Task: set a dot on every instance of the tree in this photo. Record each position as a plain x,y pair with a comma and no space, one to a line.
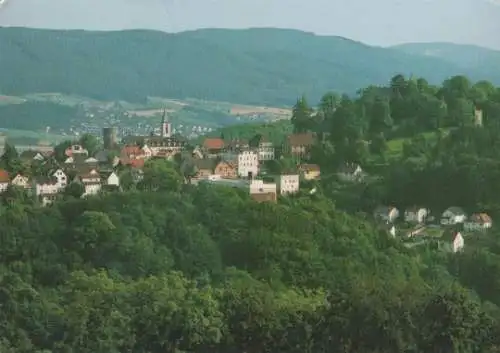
10,160
160,175
380,116
90,143
60,150
302,116
74,189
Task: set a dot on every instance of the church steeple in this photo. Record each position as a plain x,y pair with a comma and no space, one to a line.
166,127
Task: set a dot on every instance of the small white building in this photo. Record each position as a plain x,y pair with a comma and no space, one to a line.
91,181
46,189
452,242
416,214
260,187
21,181
248,164
266,151
453,215
289,183
61,177
386,214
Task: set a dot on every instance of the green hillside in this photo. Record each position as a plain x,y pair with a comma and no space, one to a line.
483,60
254,66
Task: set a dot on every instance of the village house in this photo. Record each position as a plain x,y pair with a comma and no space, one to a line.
386,214
61,178
76,150
110,181
453,215
129,152
21,181
266,150
288,183
213,147
4,180
46,189
31,155
451,241
236,146
416,214
350,172
299,145
248,164
310,171
197,153
91,181
204,167
226,169
478,222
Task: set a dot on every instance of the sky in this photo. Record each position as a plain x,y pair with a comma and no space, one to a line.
376,22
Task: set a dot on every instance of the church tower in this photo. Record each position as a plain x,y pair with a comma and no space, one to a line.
166,127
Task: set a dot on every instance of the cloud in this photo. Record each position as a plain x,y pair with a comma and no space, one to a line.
494,2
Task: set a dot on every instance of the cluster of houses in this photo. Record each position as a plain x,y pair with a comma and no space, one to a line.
231,163
452,223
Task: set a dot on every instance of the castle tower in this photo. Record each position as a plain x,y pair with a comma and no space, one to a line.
166,127
109,137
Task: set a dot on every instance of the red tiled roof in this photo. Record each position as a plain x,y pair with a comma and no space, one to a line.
4,176
132,150
213,143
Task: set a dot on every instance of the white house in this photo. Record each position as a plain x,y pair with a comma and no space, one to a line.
46,189
350,172
452,241
91,182
147,152
257,186
453,215
386,213
76,150
21,181
416,214
266,151
289,183
248,164
478,221
61,177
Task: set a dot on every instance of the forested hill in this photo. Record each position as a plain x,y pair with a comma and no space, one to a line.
264,66
486,61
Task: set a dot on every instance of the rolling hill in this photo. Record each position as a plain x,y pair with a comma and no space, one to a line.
483,61
254,66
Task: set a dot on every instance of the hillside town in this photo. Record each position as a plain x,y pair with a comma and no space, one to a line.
231,163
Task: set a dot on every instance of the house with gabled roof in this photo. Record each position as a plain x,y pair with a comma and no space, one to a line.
299,145
21,181
451,241
350,172
213,147
478,222
386,214
453,215
415,214
46,189
310,171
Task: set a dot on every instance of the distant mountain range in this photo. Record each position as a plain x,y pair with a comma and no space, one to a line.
482,61
254,66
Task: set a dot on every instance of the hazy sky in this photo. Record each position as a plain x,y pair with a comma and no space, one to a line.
379,22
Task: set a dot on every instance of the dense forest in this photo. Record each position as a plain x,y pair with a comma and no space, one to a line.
255,66
168,267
